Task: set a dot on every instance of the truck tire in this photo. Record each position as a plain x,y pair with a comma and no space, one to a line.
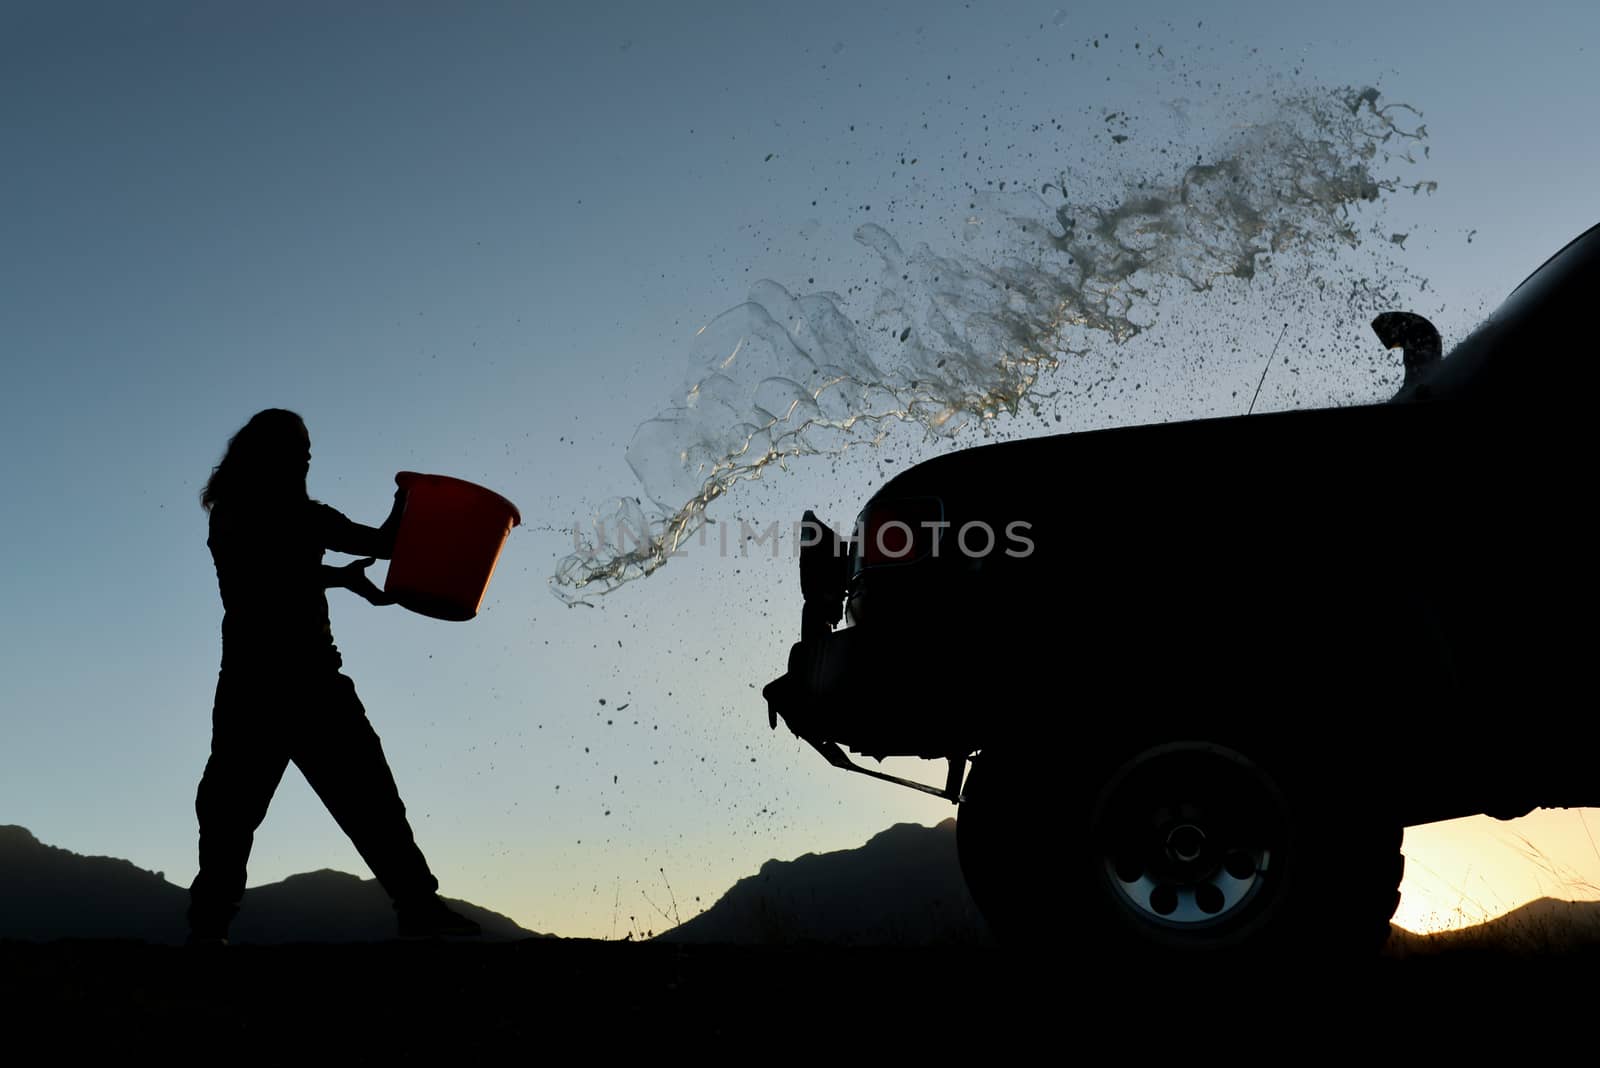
1178,848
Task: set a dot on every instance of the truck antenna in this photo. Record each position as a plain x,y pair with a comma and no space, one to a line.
1273,353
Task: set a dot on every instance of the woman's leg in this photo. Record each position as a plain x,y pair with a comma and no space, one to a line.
246,763
342,758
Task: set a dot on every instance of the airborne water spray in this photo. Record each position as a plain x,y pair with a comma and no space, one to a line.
954,340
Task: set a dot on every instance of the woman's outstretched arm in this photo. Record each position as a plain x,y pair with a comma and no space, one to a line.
343,535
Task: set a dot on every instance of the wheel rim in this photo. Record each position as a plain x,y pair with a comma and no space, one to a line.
1188,836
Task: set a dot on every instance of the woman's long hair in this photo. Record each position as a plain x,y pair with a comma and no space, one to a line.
265,456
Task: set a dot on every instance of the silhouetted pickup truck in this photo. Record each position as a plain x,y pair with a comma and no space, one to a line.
1193,679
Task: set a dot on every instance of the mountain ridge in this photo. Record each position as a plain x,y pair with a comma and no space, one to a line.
49,893
902,887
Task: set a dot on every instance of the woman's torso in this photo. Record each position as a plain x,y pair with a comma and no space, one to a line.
268,560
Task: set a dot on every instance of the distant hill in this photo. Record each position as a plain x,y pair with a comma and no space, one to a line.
903,887
1541,927
48,893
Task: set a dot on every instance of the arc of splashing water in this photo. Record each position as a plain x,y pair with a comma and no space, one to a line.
782,376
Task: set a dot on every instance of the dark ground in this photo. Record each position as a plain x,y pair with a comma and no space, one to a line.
601,999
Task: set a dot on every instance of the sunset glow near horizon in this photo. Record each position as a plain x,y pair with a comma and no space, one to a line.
1467,871
480,242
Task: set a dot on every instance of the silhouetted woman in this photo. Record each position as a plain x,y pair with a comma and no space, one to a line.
280,694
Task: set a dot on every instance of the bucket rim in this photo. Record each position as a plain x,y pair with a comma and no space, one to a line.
405,479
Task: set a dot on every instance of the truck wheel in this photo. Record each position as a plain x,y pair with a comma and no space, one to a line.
1186,847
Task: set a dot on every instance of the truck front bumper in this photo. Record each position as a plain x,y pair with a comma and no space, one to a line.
837,693
879,694
819,696
865,688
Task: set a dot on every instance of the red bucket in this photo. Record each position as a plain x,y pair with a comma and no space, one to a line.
449,540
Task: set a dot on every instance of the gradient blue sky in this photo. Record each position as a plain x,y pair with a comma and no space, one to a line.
475,239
